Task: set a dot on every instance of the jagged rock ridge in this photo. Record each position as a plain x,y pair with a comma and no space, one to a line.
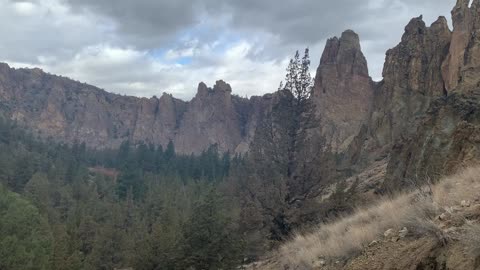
71,111
424,120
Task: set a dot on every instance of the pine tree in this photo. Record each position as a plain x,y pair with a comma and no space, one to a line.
286,152
209,240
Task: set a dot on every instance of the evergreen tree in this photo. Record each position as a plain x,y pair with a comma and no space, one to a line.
210,242
286,153
25,237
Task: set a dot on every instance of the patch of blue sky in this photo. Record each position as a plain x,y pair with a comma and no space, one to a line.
218,39
184,60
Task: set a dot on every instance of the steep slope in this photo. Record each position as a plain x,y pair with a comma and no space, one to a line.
413,231
423,124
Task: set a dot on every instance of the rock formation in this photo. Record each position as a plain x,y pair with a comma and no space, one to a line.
447,136
447,139
424,120
71,111
463,63
211,118
343,90
412,79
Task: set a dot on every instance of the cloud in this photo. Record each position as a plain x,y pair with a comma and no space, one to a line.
146,47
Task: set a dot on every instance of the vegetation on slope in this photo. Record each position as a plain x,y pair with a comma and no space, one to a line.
438,211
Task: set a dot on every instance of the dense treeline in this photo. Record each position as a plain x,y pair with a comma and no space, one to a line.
139,206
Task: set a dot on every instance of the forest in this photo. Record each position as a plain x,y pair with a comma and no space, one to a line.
146,207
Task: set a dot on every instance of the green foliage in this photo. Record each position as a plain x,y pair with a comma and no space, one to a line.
211,241
25,237
130,207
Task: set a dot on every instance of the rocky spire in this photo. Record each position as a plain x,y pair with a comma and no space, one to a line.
346,54
405,65
343,90
412,79
461,68
221,85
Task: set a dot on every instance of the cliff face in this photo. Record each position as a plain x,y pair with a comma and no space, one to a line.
447,139
448,134
424,120
343,90
412,79
213,116
462,66
71,111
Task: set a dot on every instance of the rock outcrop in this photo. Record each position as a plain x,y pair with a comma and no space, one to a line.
211,118
412,79
343,90
447,136
425,115
463,63
447,140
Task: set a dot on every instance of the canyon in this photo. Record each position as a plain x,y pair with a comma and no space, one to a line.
423,114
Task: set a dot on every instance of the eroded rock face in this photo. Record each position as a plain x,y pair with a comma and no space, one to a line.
343,90
70,111
447,136
426,119
210,119
463,63
447,139
412,78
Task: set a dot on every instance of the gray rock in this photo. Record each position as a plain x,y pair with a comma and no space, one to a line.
388,233
403,232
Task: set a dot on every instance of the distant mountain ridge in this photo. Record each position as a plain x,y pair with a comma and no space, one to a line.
72,111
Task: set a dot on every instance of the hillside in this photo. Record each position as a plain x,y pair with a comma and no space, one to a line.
333,172
433,227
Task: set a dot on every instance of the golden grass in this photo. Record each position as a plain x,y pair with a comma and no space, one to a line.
351,234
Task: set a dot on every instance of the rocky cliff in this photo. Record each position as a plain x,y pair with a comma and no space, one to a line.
462,66
448,134
447,139
424,120
412,78
70,111
343,90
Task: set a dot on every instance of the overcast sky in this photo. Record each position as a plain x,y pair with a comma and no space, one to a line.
147,47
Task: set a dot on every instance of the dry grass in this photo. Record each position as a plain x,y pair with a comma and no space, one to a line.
464,185
351,234
471,239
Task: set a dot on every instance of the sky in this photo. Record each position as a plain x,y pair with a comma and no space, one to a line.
147,47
